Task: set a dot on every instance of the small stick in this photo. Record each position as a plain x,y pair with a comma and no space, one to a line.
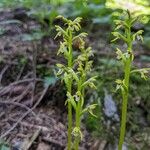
52,141
24,93
2,72
2,114
18,104
26,146
6,89
28,125
20,97
20,74
25,114
34,63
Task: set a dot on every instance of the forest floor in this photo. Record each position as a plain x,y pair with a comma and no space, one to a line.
32,114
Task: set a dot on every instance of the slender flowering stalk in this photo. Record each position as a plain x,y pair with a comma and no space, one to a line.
67,51
126,58
84,66
74,74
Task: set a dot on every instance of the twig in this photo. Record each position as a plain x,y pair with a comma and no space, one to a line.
20,119
2,72
2,114
102,145
34,70
21,71
28,75
28,125
52,141
17,104
6,89
20,97
26,145
24,93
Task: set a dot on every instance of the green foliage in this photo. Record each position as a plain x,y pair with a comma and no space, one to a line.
74,74
4,146
32,37
2,31
45,11
137,7
94,124
100,13
147,41
107,69
126,58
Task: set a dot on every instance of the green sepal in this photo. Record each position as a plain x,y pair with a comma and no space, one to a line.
89,82
120,55
74,75
138,35
81,35
119,36
143,72
76,132
60,31
71,100
90,109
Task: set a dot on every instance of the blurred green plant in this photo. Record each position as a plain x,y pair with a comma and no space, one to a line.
126,58
4,146
136,7
45,11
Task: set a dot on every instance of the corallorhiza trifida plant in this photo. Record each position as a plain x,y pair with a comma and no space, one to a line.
75,76
123,32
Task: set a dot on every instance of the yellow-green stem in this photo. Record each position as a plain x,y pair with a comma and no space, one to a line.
78,114
70,63
77,139
125,92
124,105
79,109
69,125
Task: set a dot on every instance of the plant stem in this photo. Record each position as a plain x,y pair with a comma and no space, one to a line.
78,112
124,105
69,125
125,92
70,63
77,139
79,108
